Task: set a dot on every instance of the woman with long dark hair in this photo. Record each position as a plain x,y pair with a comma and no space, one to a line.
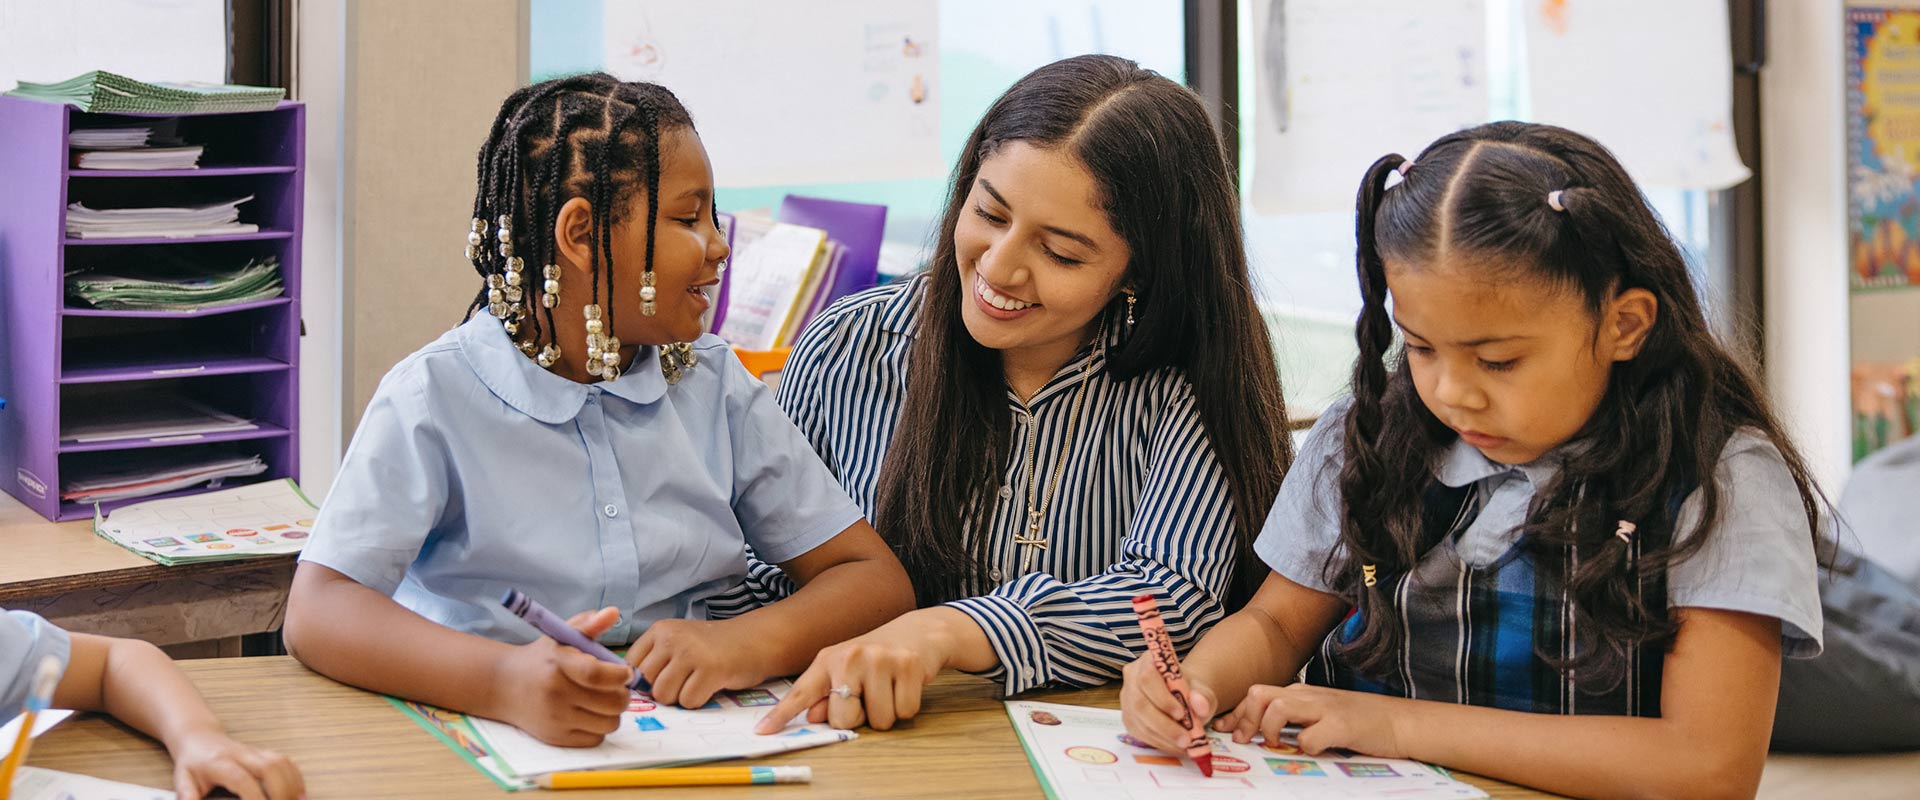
1075,404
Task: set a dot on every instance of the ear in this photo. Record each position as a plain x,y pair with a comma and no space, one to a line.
1629,320
573,235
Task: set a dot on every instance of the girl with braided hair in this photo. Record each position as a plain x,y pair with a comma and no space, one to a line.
1556,536
580,439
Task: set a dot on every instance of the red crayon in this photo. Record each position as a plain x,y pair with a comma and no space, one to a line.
1167,663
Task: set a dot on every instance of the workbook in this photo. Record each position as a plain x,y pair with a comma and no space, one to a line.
263,519
1082,753
650,735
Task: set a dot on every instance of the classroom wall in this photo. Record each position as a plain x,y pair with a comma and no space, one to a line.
424,79
319,80
1803,157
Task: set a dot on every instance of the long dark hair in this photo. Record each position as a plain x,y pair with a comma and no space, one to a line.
588,135
1480,196
1167,190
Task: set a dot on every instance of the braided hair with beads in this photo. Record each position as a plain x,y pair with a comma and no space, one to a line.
590,136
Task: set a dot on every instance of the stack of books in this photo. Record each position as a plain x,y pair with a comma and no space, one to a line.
143,147
176,284
102,92
780,276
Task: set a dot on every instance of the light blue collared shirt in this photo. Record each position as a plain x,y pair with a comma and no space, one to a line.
25,641
1760,559
474,471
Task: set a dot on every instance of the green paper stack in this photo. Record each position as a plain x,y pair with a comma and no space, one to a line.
177,287
104,92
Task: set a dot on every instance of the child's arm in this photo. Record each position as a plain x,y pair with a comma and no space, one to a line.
358,636
1718,691
1265,643
848,586
139,685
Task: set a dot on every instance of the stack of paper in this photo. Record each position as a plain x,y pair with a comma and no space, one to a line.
266,519
170,223
151,472
148,158
143,415
650,735
110,138
176,285
34,783
104,92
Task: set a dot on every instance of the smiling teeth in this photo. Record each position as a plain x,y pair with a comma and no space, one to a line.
1000,301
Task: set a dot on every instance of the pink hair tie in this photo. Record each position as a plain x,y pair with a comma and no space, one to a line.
1405,167
1625,531
1553,201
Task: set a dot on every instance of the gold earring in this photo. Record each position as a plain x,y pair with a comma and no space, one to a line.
1131,299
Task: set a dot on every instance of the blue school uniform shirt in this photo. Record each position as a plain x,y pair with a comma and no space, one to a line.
1142,507
1760,559
475,470
25,640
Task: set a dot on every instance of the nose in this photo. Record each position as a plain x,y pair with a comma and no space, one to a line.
717,248
1000,265
1455,388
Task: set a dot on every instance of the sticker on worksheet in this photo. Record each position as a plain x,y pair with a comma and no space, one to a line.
164,541
1361,770
203,538
1091,755
1296,767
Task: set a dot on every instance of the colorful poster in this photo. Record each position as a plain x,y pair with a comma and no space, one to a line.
1883,146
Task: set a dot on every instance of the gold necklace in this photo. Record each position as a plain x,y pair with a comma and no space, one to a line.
1032,540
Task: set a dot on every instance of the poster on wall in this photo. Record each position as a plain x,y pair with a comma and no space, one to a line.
851,86
1326,108
1883,146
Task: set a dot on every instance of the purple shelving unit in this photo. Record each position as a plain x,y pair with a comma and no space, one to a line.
241,359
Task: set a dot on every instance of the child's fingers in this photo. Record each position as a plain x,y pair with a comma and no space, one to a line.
1151,689
809,688
276,774
593,674
594,623
640,649
668,683
1274,720
698,688
1245,719
233,778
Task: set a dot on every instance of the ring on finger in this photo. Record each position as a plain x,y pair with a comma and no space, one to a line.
845,692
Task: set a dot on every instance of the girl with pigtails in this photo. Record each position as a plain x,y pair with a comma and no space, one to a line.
1556,536
585,442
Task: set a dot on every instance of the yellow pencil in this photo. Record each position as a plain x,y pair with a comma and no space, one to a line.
42,696
678,776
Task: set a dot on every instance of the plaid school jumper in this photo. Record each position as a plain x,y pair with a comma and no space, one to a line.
1483,635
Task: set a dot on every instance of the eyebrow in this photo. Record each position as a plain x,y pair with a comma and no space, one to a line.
1058,231
1485,340
701,193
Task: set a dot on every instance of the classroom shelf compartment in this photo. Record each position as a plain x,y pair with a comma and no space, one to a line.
274,451
62,362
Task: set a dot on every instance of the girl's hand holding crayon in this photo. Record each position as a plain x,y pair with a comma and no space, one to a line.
206,759
1330,718
560,695
689,661
1150,711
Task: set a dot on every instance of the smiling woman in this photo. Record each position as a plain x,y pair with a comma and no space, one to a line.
1074,405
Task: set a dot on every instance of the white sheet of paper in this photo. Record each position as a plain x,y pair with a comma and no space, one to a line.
1085,753
33,783
1341,83
41,724
651,735
148,40
852,87
1652,80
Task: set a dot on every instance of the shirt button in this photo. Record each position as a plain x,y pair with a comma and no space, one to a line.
1026,672
612,510
997,575
1006,492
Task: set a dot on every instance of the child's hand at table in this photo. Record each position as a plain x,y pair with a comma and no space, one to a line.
206,759
1151,712
689,661
1330,718
560,695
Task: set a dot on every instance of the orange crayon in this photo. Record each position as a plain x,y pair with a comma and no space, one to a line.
1167,663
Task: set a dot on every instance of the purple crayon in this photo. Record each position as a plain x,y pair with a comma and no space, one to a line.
556,628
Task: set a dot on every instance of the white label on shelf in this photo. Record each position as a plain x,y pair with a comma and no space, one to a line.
31,482
181,438
180,370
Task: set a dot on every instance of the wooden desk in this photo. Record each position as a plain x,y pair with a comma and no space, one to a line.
352,744
81,582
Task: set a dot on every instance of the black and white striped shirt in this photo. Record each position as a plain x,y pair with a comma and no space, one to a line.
1142,507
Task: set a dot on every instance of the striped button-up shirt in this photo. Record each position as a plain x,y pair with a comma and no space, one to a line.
1142,505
